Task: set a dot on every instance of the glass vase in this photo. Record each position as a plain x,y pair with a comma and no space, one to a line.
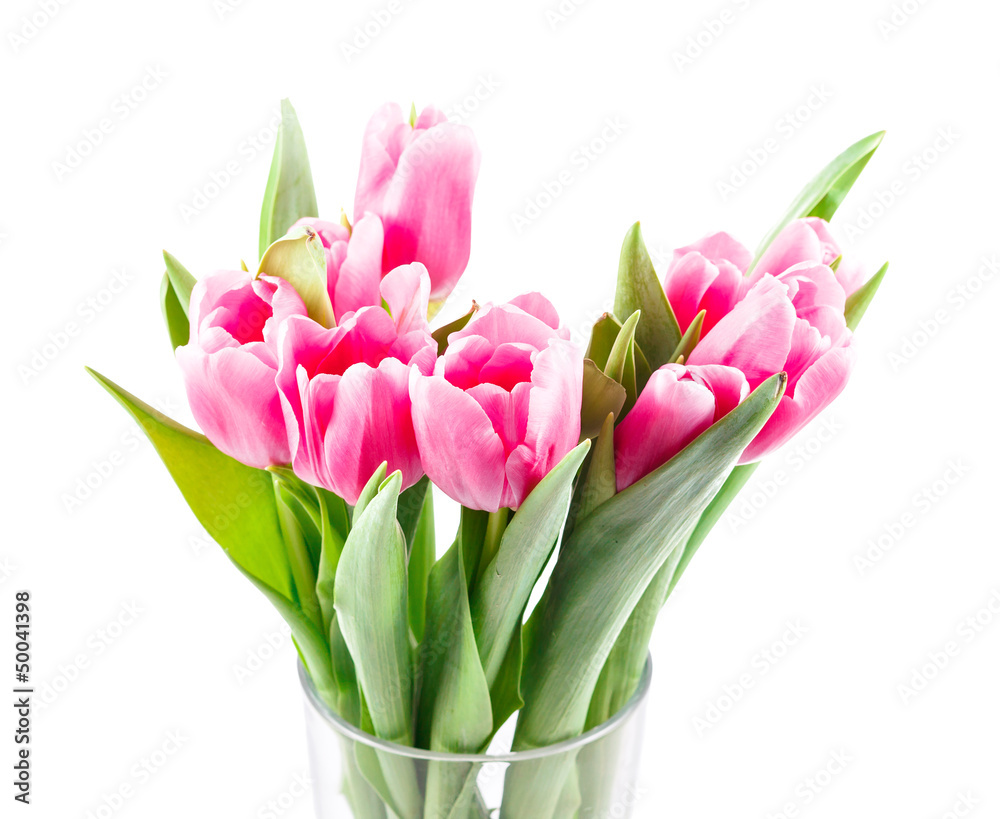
358,776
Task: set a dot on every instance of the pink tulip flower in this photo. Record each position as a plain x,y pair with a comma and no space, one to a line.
802,240
353,262
503,405
230,361
420,181
677,404
793,322
708,275
345,390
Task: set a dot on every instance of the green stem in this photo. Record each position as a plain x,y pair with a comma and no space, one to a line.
496,525
303,573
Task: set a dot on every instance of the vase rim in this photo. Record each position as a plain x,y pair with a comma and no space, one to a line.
352,732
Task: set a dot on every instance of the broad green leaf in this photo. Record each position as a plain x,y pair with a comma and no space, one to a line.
369,491
299,259
370,601
824,194
418,567
601,395
174,315
500,597
182,281
639,289
443,624
689,340
857,302
609,560
289,195
600,483
234,503
441,334
411,507
603,570
462,721
505,693
300,555
334,528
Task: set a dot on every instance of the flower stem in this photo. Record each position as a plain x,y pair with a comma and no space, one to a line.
496,525
303,573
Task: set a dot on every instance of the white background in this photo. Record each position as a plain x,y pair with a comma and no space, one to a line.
546,86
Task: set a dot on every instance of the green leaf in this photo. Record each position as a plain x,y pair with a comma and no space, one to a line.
609,560
601,395
824,194
505,693
418,567
462,721
370,601
690,339
621,360
441,334
605,566
411,507
602,339
181,281
174,316
857,302
600,484
334,528
299,259
289,195
235,503
499,599
639,289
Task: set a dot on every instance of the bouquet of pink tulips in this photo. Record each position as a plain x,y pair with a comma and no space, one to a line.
330,406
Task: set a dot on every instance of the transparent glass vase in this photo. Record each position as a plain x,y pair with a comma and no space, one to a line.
358,776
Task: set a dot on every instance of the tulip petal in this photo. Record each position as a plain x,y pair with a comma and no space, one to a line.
356,283
755,337
816,388
459,449
406,290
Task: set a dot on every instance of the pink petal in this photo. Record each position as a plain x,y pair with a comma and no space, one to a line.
670,413
509,365
755,337
817,387
719,247
796,243
356,283
535,304
459,449
406,290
